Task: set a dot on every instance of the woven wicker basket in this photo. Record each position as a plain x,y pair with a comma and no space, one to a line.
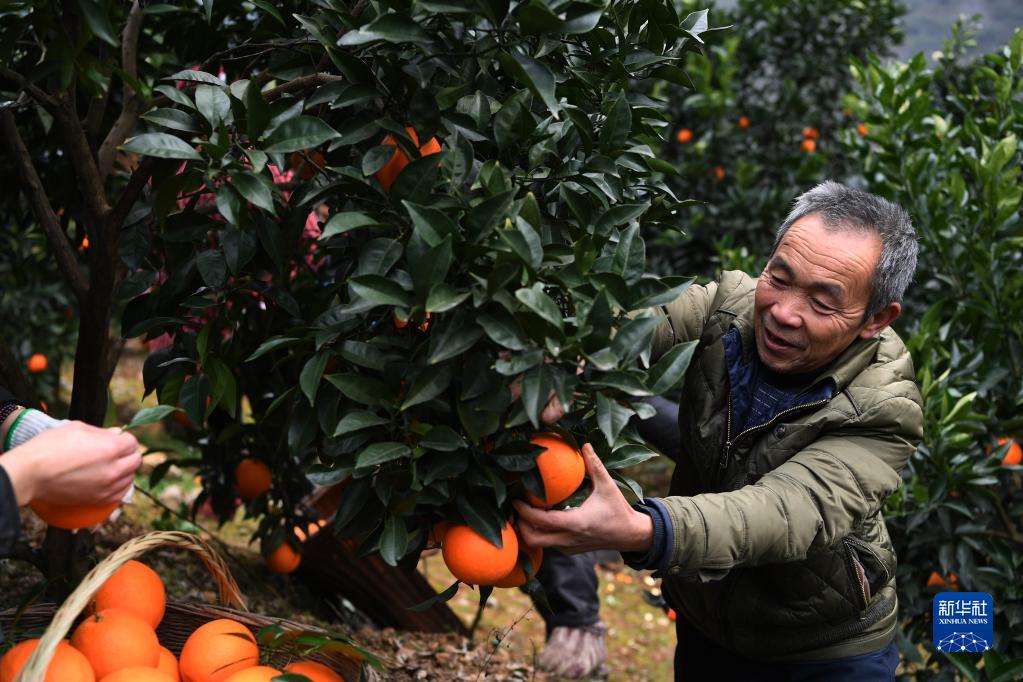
180,619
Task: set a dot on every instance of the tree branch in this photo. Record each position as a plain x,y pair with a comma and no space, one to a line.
130,100
138,181
301,83
34,92
33,187
87,173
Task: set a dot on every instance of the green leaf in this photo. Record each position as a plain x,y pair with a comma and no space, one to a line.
611,417
429,384
380,453
534,75
456,337
671,368
540,303
269,8
175,119
442,438
253,189
362,389
257,111
430,224
340,223
213,103
394,539
536,391
634,336
391,28
618,124
195,76
296,134
356,420
223,385
96,18
380,290
212,267
627,456
272,344
312,372
444,297
484,518
162,146
653,292
208,6
502,327
432,267
376,158
150,415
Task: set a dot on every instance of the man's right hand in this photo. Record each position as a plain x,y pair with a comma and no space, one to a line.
74,464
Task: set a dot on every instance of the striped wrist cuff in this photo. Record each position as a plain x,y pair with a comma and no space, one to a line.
28,425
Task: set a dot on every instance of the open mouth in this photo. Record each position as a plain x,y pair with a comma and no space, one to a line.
777,341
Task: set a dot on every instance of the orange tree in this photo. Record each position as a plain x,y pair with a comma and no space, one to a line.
379,344
760,125
943,142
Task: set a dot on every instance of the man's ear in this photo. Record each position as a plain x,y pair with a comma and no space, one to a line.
880,320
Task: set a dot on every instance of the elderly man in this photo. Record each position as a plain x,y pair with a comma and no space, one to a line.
798,414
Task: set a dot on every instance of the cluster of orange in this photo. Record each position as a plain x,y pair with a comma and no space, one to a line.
475,560
396,164
809,143
117,642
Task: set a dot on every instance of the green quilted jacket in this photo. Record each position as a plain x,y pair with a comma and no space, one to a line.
779,548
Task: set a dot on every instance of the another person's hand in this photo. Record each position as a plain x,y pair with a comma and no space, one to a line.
604,521
74,464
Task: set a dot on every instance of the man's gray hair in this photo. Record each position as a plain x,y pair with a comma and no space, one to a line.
845,208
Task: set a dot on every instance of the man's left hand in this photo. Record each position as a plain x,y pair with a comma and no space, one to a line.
604,521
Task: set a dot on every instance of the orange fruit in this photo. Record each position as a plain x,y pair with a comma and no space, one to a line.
808,146
744,122
312,529
386,175
67,665
317,672
252,478
168,664
73,516
684,136
561,468
136,588
719,172
258,673
474,560
862,129
517,576
85,243
810,133
936,580
285,559
1015,453
114,639
217,650
37,363
401,324
138,674
672,616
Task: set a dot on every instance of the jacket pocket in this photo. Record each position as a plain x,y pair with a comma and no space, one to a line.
870,567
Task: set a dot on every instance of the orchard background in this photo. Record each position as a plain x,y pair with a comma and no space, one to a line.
202,210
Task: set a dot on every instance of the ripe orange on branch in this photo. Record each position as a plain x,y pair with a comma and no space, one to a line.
684,136
285,559
517,576
475,560
1014,454
808,146
37,363
396,164
252,478
561,467
744,122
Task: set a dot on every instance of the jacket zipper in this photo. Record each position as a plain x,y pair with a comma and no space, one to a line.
729,441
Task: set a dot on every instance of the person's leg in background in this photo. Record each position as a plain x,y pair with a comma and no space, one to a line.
575,634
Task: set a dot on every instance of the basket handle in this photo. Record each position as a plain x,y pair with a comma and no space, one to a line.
64,618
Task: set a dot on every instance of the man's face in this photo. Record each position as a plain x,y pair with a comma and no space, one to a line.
812,296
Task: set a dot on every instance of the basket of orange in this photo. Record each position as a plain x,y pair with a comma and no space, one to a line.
123,629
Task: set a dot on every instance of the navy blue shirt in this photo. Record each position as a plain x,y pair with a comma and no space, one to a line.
758,396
